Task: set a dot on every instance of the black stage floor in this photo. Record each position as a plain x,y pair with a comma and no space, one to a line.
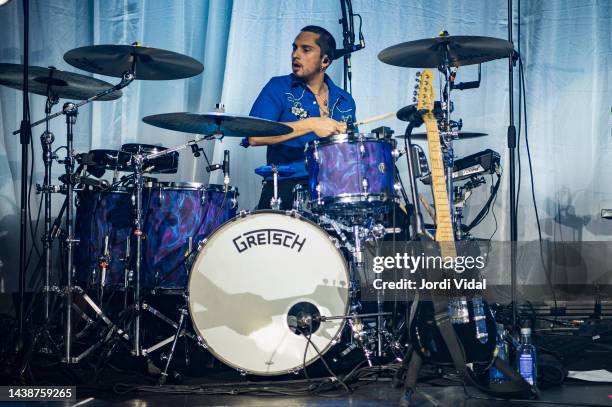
371,395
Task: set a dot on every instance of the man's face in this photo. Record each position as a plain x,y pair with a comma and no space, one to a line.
306,58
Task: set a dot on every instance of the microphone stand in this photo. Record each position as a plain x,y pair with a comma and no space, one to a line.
348,35
512,151
25,140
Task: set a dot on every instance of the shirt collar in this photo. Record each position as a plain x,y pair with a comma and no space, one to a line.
334,91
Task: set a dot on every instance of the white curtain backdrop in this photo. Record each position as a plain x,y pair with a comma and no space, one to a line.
565,46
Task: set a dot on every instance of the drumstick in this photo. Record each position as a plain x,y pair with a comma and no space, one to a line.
375,118
428,208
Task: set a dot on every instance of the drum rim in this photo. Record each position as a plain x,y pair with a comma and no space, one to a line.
348,138
209,348
191,186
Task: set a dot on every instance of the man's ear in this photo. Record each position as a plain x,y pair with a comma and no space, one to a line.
326,61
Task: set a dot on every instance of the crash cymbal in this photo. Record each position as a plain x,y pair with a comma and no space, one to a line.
65,85
430,52
146,63
228,125
460,135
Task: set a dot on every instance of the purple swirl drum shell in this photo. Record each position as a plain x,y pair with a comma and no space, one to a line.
351,173
103,227
179,216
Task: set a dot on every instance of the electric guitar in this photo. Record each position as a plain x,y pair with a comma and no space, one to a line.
470,315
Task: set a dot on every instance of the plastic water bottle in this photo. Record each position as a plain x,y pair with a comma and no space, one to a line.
526,358
496,376
480,320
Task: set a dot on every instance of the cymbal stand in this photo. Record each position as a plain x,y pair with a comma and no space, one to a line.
138,160
46,140
447,145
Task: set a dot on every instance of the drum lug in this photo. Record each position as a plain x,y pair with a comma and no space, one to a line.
362,149
365,185
202,243
395,153
243,213
397,187
242,372
318,189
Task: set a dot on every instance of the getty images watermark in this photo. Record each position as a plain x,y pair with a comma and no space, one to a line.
428,272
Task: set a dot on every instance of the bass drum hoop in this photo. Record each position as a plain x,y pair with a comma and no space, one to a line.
322,352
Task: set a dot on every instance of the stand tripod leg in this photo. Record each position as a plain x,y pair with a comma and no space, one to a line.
164,375
412,376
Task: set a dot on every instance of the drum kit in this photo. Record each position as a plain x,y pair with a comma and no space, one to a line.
266,292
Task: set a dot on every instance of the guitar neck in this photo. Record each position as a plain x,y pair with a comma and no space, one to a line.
444,224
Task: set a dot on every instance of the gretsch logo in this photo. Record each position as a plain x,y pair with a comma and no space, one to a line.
262,237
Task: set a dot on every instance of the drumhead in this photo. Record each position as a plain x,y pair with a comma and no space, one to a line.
252,281
349,138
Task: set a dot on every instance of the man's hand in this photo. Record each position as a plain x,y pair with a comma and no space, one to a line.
325,127
321,126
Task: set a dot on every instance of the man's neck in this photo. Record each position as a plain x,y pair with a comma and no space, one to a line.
317,83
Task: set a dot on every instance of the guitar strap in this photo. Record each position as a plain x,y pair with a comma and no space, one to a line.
516,387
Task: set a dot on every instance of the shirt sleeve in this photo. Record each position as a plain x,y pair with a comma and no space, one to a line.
268,104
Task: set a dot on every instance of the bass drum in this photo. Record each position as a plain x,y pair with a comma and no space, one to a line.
257,286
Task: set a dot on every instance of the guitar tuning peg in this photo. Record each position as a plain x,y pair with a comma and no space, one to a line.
414,100
418,74
415,93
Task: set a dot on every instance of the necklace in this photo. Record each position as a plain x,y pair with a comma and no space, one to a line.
322,100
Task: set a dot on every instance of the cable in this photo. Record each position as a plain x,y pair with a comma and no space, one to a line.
533,197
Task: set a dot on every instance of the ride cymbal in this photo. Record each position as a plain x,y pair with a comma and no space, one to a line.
212,123
461,50
146,63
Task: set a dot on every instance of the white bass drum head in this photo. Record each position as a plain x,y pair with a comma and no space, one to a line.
254,279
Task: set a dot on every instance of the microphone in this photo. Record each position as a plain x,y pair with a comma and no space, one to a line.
339,53
226,168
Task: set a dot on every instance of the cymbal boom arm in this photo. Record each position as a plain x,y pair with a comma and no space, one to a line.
128,77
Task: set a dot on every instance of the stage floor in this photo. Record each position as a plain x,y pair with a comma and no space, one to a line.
370,395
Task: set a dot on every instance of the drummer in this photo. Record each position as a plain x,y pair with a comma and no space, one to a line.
306,100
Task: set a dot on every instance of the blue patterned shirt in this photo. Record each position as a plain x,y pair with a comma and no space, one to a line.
288,99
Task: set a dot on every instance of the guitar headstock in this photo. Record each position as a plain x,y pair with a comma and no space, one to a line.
425,98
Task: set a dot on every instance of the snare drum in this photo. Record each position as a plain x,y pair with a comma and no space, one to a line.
179,215
351,173
255,284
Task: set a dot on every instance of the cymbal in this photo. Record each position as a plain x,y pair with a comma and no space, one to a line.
121,160
147,63
460,135
63,84
430,52
228,125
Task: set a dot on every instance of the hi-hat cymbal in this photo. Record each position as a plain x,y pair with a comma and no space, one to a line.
65,85
228,125
461,135
146,63
431,52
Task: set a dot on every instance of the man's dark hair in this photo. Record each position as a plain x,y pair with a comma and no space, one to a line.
325,41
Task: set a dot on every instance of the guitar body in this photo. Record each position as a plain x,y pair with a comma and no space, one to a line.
477,335
428,342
